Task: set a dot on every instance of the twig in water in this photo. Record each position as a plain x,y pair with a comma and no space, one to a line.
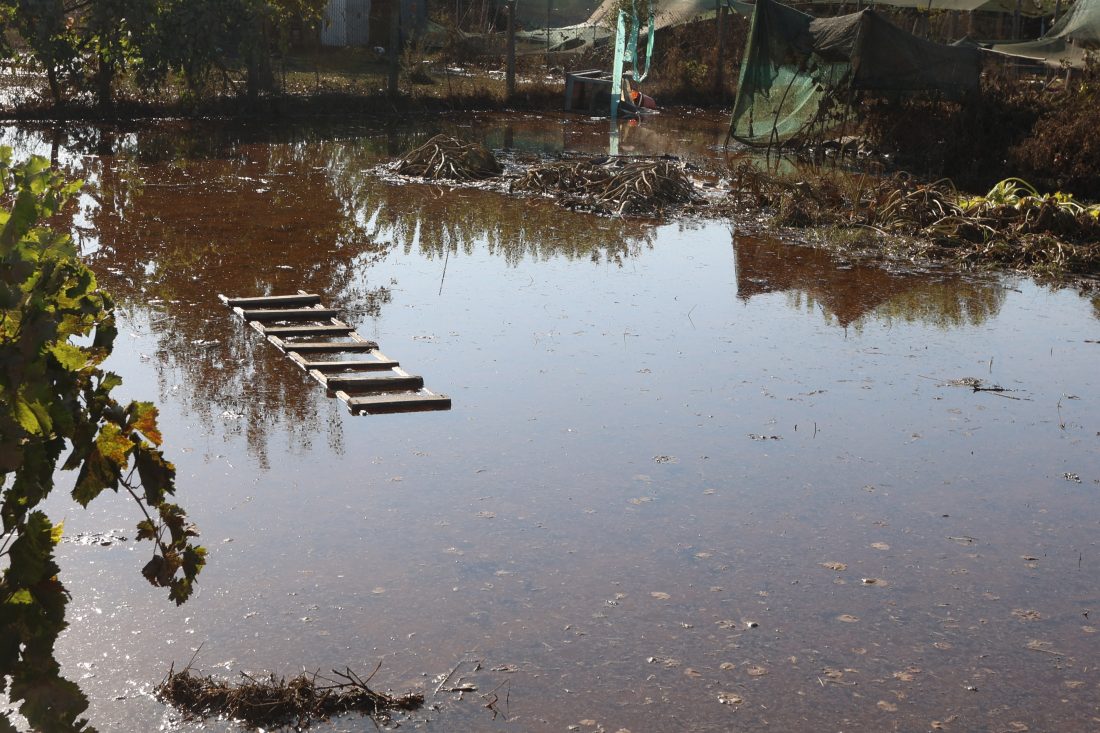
446,259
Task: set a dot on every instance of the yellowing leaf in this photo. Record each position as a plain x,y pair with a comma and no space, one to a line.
113,445
57,531
145,421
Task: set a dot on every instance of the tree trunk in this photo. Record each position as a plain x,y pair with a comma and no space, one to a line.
394,53
261,78
104,81
55,85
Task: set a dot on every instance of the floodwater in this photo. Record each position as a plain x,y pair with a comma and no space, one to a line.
693,480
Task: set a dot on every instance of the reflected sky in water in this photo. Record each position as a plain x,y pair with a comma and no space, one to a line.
676,455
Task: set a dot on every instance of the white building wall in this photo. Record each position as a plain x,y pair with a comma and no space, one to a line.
334,25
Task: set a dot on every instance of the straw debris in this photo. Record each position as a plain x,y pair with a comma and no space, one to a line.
276,701
447,158
613,186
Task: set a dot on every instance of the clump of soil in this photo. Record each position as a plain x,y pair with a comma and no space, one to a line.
612,186
447,158
276,701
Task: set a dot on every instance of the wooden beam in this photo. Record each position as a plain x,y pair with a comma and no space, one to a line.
347,366
329,347
289,314
381,405
368,383
272,300
338,330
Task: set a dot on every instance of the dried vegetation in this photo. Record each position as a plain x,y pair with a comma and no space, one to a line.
447,158
612,186
277,701
1013,224
606,185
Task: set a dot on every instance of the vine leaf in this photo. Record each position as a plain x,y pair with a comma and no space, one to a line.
144,419
96,474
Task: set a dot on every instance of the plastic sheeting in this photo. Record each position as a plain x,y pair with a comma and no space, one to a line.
599,28
1029,8
1068,43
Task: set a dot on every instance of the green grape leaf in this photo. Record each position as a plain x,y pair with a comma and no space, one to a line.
96,474
69,357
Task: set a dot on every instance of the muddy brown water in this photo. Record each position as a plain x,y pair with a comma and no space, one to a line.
692,480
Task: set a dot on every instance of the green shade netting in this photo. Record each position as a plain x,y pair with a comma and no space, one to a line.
794,65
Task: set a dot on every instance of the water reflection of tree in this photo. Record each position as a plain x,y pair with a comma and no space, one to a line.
434,222
175,215
850,295
225,216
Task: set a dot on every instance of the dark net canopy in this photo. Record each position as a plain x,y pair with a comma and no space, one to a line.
795,65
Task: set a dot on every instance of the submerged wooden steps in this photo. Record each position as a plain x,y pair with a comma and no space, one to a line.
374,386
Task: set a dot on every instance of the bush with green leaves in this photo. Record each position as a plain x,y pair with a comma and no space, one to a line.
56,410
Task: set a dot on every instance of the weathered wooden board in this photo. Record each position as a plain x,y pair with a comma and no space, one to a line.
272,300
346,366
289,314
329,328
330,347
368,386
381,405
370,383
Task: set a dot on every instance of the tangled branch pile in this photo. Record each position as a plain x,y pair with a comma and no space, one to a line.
643,187
1012,224
276,701
450,159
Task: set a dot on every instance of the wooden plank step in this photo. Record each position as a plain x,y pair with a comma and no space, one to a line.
385,404
289,314
379,365
276,300
368,383
330,328
331,347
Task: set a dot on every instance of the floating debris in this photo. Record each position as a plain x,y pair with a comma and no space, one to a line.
276,701
614,186
448,158
102,539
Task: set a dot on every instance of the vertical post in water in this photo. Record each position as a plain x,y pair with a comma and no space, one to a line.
392,86
617,67
510,62
1016,19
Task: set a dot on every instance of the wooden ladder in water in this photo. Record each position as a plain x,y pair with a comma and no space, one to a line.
372,385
